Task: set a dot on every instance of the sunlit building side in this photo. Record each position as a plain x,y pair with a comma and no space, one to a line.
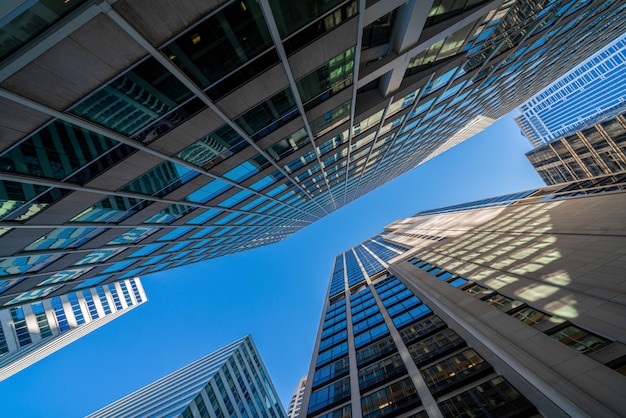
507,306
31,331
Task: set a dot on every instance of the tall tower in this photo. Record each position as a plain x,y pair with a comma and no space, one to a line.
295,404
31,331
137,136
507,306
231,381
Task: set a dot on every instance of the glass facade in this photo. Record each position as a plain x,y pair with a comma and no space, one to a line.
403,352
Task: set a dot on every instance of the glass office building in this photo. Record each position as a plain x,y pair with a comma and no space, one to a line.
504,307
139,136
31,331
230,382
594,87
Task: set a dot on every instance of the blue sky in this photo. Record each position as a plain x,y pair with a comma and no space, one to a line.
276,293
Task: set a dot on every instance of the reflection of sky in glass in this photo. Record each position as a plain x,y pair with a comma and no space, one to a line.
64,276
132,236
92,282
98,256
33,294
5,284
18,265
208,192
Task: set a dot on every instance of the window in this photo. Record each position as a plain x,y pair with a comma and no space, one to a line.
21,329
330,371
456,369
434,346
495,398
329,395
390,400
498,300
579,339
530,316
228,39
380,371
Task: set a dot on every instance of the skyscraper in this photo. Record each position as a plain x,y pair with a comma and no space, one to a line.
594,150
141,136
31,331
295,404
231,381
586,92
507,306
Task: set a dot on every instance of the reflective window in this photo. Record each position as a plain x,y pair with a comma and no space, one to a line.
327,80
132,273
291,16
169,214
434,346
23,264
204,217
175,233
328,395
155,260
13,195
234,199
332,353
215,147
494,398
220,44
147,250
55,151
19,324
64,276
441,50
33,294
418,329
268,115
457,368
111,209
64,238
288,145
92,282
247,169
331,119
530,316
98,256
133,236
27,19
134,99
8,283
380,371
331,371
208,191
120,265
579,339
161,180
390,400
42,320
59,313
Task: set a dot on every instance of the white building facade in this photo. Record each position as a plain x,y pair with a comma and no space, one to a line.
30,332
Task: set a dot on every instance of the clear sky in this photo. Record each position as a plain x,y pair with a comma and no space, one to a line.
276,293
